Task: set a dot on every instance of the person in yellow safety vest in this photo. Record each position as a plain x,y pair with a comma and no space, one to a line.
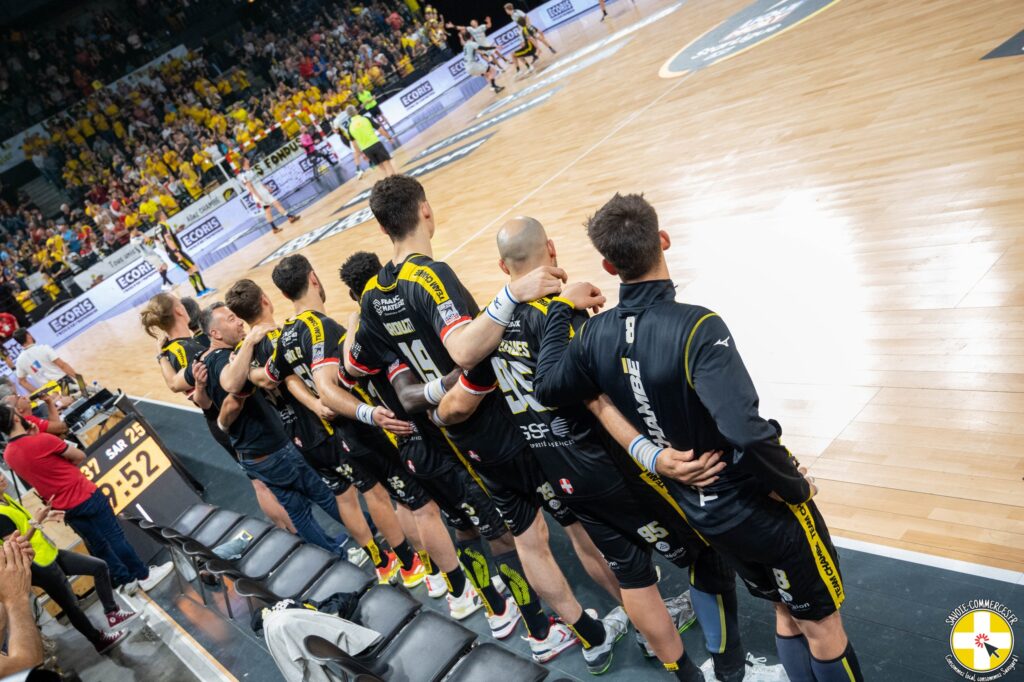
369,104
365,141
52,566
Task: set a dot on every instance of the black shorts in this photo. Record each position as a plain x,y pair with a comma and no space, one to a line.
377,153
625,530
784,553
463,504
519,488
337,473
370,450
374,111
181,259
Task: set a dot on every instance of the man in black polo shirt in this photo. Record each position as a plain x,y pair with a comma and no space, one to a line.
258,435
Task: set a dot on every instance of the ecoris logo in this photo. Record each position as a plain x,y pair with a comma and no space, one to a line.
410,98
70,317
507,37
135,275
561,9
200,232
458,68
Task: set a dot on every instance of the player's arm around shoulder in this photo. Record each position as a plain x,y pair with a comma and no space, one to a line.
564,375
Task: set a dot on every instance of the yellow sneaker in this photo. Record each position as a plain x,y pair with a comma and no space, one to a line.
387,572
416,573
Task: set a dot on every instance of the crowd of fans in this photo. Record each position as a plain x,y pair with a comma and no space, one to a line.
154,143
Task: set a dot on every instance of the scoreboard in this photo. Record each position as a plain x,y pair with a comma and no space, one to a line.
132,467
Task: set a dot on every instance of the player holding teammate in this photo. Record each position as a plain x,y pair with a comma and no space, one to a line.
179,348
426,318
673,370
178,256
523,19
478,33
475,64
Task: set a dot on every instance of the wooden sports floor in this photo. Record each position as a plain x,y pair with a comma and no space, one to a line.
846,195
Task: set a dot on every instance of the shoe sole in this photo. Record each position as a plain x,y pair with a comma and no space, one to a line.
106,649
508,628
611,656
414,582
550,655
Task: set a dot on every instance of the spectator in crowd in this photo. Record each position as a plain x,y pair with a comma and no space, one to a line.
52,423
51,466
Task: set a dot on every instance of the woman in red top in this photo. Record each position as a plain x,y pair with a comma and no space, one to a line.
50,465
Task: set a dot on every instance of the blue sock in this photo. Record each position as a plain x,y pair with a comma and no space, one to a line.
846,668
795,657
717,615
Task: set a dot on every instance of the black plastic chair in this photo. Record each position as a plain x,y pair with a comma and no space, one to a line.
386,609
341,577
291,578
216,528
191,518
424,651
263,556
488,660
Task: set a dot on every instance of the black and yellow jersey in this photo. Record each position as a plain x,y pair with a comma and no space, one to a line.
304,428
571,446
201,338
170,237
673,371
407,311
181,352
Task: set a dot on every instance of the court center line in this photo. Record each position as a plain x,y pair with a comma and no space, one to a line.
622,124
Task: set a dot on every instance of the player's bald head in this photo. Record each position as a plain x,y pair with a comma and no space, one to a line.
522,241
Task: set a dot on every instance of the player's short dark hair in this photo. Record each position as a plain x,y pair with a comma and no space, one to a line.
395,203
206,316
355,272
625,233
21,335
291,276
245,298
194,311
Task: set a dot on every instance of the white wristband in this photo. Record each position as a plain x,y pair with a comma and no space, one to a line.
645,453
434,390
364,413
436,418
501,308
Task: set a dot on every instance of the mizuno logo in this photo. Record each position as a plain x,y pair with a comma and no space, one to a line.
723,342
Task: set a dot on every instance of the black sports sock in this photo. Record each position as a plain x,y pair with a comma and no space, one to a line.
456,580
511,569
376,556
199,279
589,630
195,284
471,554
795,657
685,670
165,278
404,552
428,563
842,669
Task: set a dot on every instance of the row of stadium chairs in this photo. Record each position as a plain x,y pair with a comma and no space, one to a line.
415,644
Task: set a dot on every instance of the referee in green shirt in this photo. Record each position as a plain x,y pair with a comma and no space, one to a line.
364,137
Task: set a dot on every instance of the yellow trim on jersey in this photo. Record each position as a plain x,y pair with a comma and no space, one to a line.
540,304
819,552
465,463
565,301
178,351
370,284
315,326
686,353
424,276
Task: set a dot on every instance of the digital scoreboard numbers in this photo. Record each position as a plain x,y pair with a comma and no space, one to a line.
126,465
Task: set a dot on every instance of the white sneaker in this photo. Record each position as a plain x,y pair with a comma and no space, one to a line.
465,605
436,586
680,610
156,574
499,584
129,589
359,173
757,671
599,657
560,637
165,287
358,556
504,625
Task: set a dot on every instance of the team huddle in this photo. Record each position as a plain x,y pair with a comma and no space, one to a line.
636,429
